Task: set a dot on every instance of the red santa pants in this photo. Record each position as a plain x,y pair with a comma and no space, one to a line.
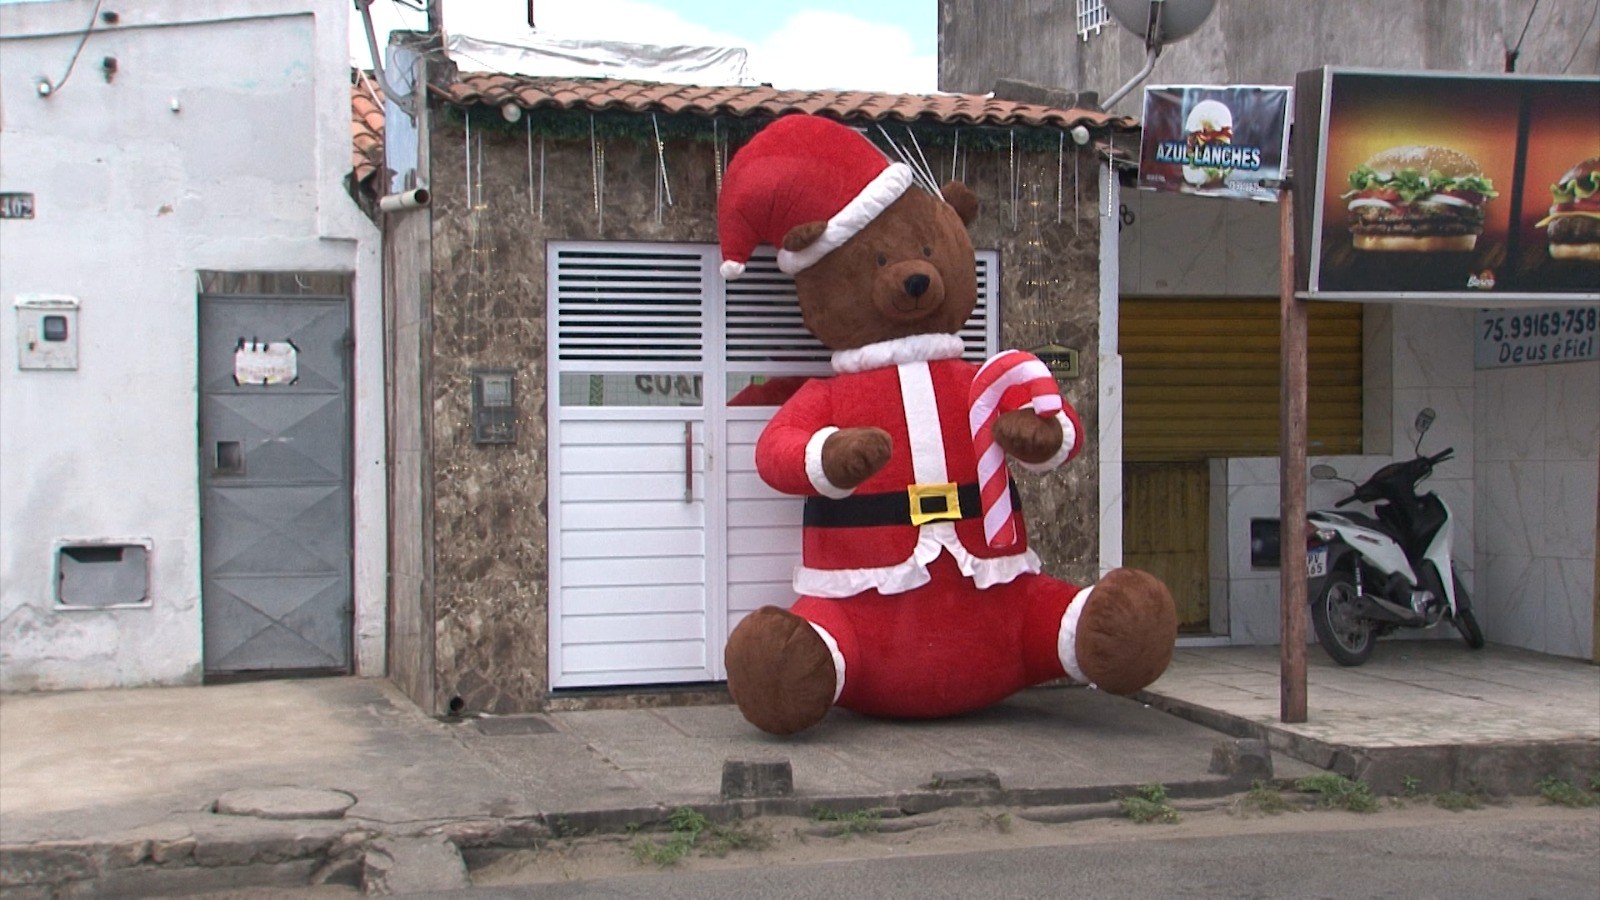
945,648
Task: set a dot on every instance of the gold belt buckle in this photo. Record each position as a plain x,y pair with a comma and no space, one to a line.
948,505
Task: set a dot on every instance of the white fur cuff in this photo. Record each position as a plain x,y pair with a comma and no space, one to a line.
819,478
1067,641
838,659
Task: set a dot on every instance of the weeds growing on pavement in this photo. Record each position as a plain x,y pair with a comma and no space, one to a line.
1456,801
1263,799
1565,793
860,821
691,830
1149,804
1338,792
1000,822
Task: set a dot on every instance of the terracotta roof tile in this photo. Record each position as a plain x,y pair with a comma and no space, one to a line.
366,126
366,107
471,89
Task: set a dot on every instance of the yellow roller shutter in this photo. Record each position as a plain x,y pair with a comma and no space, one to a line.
1201,378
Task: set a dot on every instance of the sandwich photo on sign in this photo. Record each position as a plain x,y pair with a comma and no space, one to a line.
1418,199
1557,240
1208,142
1574,220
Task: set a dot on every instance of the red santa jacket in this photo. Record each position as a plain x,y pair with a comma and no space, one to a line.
916,389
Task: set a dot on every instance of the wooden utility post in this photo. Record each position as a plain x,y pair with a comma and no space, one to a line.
1291,472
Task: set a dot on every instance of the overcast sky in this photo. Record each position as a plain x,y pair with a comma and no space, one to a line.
882,45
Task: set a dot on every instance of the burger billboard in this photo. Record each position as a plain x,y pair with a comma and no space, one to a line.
1448,186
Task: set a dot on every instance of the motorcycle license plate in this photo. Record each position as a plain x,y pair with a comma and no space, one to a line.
1317,562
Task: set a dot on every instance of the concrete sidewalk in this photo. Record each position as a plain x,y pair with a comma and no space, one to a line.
292,782
1492,721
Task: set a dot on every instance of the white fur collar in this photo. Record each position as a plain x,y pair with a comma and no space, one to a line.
916,348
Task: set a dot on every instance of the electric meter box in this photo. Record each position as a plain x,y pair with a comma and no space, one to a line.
47,331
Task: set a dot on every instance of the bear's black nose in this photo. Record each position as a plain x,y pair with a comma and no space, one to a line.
916,285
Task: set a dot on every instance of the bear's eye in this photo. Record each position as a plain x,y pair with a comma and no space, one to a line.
927,251
882,260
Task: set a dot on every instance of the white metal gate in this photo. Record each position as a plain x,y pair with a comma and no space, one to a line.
662,535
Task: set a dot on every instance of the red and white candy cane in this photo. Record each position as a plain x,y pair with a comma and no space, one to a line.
1008,381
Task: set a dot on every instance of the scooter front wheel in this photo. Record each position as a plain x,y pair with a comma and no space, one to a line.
1347,637
1464,620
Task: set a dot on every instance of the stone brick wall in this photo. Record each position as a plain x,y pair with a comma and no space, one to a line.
490,569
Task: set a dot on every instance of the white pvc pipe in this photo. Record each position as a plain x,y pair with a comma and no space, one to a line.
412,199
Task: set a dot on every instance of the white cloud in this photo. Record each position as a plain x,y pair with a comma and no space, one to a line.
811,50
817,49
629,22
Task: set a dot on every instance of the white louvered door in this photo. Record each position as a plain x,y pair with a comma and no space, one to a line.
662,535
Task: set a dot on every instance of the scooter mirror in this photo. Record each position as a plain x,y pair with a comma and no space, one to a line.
1324,472
1425,419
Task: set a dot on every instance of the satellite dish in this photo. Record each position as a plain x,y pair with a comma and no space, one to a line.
1159,22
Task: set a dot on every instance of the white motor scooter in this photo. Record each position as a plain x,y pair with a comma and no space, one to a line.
1369,575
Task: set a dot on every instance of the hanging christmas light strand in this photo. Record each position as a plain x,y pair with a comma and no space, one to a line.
1061,172
529,129
716,154
1013,181
466,153
665,186
597,166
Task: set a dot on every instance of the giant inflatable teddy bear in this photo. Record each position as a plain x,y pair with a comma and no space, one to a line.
919,596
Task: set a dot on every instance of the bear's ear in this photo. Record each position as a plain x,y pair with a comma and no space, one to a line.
802,236
963,199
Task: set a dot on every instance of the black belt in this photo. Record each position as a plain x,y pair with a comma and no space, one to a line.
929,502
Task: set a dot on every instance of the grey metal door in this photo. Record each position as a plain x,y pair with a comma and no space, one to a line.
275,541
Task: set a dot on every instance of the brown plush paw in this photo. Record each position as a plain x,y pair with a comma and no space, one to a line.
780,673
1029,438
1126,633
852,455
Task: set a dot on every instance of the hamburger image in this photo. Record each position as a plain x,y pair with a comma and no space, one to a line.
1209,124
1574,219
1417,199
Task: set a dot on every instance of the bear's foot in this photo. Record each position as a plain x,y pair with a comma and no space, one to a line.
1126,632
780,672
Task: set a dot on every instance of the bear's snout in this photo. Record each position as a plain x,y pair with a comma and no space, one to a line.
909,291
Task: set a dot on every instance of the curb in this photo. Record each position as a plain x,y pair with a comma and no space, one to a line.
210,852
1489,768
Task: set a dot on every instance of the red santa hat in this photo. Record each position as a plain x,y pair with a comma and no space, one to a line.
800,169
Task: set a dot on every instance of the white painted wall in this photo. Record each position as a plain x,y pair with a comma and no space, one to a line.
133,199
1538,471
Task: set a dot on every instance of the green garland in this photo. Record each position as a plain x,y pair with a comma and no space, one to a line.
610,125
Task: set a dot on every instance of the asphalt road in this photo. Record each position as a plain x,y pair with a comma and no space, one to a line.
1534,852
